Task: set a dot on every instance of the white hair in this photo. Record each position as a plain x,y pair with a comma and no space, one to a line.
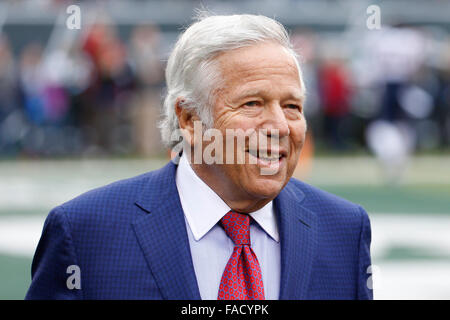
190,72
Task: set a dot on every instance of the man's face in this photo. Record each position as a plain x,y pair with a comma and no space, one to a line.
260,90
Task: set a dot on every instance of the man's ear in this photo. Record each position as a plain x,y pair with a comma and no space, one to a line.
186,118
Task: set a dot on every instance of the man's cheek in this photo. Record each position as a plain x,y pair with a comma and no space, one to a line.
298,136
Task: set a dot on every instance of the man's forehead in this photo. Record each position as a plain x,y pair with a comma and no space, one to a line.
254,61
259,67
264,54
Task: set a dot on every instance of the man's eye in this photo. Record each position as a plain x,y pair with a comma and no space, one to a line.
251,104
293,106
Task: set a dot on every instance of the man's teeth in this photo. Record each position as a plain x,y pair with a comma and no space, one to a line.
272,157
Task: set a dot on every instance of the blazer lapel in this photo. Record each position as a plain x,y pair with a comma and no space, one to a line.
298,228
163,238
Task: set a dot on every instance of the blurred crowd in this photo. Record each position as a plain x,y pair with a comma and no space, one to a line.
386,90
360,84
98,94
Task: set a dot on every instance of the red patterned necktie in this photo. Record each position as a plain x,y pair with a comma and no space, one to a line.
242,278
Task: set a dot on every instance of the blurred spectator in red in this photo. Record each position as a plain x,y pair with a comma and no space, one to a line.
334,87
104,104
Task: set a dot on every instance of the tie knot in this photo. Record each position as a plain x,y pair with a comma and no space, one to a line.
236,226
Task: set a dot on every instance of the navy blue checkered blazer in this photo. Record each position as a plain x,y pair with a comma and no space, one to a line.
129,240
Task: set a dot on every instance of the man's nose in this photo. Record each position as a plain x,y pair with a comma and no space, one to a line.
275,121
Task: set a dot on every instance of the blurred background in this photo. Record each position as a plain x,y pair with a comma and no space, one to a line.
79,109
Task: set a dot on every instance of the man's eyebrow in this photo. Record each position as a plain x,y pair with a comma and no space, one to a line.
249,93
253,93
294,96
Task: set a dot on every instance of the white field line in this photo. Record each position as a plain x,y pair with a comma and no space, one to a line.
23,194
425,231
413,280
27,185
19,235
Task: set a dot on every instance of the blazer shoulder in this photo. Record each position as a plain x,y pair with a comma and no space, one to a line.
116,199
324,203
115,191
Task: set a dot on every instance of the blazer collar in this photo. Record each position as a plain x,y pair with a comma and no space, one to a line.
163,237
298,231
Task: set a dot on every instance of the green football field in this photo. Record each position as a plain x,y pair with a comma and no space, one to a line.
410,220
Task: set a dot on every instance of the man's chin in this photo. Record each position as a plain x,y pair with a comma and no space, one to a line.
266,186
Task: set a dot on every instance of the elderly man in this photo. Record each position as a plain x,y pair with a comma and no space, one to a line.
224,220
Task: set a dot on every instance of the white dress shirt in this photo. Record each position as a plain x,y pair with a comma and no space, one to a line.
211,247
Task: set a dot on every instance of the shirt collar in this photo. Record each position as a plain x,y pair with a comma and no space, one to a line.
203,208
